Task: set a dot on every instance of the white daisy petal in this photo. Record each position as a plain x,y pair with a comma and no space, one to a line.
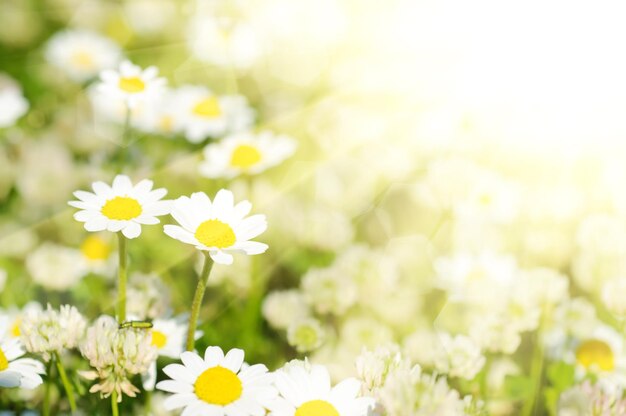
221,257
174,386
233,360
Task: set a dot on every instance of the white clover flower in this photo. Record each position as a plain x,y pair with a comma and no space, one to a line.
373,366
459,357
204,114
13,105
82,54
305,335
16,371
223,42
306,390
245,153
116,355
217,384
614,296
131,84
282,307
55,267
120,207
329,290
148,297
219,227
48,332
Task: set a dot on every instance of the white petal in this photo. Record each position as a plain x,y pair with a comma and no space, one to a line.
132,230
233,360
101,189
193,362
223,203
96,224
251,247
144,186
179,400
221,257
173,386
9,379
180,234
122,184
213,356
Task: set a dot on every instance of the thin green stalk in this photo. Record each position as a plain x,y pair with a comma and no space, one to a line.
69,391
197,301
536,375
114,409
46,395
122,278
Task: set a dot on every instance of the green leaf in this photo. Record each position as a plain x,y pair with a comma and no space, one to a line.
518,387
561,375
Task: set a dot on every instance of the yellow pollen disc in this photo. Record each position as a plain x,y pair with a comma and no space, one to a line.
82,59
121,208
95,248
209,108
132,84
159,339
15,329
215,233
166,123
245,156
595,352
219,386
4,363
316,408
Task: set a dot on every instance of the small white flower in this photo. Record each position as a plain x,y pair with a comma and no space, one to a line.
55,267
245,153
219,227
283,307
217,385
16,371
459,357
306,390
13,105
131,83
82,54
204,114
305,335
120,207
49,332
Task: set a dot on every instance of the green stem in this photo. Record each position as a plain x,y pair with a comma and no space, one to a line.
66,384
536,373
46,395
122,278
197,301
114,410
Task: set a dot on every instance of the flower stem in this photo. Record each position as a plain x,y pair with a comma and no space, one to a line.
114,410
536,374
197,301
122,278
46,395
66,383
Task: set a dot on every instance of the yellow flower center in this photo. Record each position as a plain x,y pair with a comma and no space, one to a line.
159,339
82,59
209,108
245,156
215,233
15,329
121,208
316,408
595,352
4,363
95,248
219,386
132,85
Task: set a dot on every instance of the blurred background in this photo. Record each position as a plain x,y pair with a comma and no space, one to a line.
458,187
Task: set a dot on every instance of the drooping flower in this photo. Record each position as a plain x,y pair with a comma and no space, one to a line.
120,207
219,227
245,153
217,385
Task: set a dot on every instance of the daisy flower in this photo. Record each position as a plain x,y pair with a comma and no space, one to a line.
131,83
82,54
245,153
205,114
217,385
305,389
219,227
120,207
16,371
